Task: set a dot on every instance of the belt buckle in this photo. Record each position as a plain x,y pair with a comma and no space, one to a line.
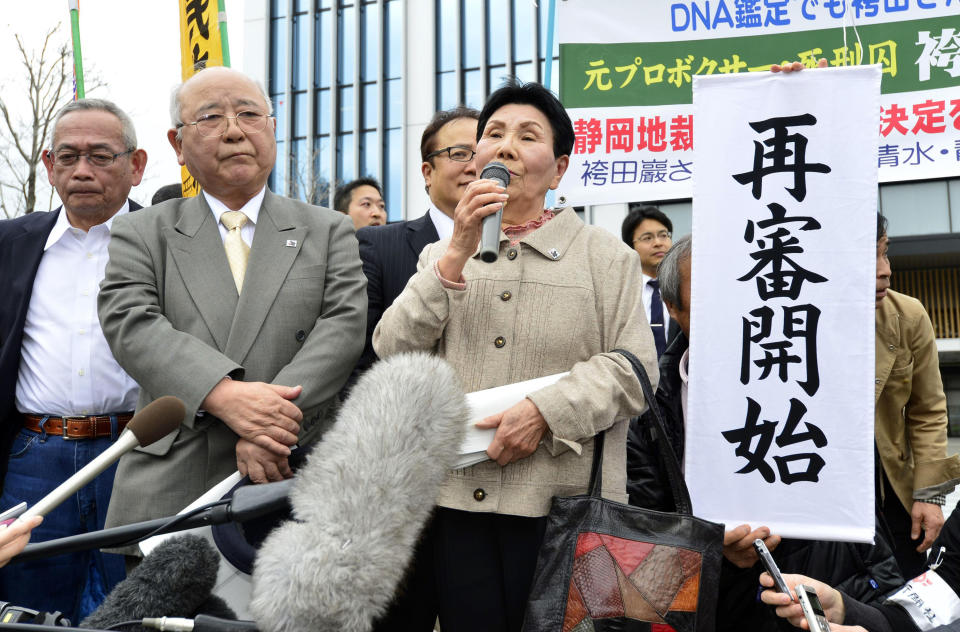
63,426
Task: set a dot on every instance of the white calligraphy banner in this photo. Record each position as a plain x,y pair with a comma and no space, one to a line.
780,407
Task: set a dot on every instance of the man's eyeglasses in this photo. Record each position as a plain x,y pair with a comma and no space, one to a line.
647,238
68,158
213,125
457,154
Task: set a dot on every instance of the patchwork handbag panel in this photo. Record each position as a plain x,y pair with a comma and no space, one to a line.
618,578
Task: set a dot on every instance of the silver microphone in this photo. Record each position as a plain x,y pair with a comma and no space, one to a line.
490,227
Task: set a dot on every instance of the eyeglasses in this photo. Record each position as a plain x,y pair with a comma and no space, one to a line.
457,154
213,125
100,158
646,238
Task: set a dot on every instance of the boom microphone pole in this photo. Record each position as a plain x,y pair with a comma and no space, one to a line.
251,501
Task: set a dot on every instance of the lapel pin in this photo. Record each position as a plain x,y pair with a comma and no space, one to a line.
554,254
291,243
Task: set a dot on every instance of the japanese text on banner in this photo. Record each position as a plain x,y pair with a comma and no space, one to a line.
780,406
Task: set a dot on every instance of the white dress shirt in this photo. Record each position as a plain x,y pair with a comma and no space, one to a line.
647,297
66,367
251,209
441,221
684,389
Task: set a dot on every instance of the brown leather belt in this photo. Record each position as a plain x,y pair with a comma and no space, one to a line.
89,427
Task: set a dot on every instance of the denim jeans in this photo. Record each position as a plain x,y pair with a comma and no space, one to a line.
73,583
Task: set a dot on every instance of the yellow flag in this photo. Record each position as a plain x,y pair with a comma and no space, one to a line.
200,46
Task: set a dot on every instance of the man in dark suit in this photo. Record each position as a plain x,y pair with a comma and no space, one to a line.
63,397
246,305
649,231
390,253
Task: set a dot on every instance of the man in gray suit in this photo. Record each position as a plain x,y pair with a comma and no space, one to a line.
248,306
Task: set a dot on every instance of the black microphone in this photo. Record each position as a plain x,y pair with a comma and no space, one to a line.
253,501
247,503
176,579
158,419
361,500
490,226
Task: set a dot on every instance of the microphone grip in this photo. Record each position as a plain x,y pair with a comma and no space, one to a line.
202,623
490,236
126,442
206,623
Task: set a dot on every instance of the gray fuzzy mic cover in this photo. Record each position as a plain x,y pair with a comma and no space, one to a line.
361,500
173,581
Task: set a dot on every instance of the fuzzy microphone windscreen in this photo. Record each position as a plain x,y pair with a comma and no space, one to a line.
173,581
361,500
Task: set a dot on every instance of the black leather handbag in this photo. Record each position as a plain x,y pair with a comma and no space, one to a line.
606,566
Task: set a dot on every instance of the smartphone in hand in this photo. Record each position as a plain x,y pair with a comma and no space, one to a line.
767,560
812,609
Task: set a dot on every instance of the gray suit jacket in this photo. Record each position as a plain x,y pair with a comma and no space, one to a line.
172,316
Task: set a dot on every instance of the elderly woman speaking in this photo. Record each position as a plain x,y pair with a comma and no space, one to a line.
560,297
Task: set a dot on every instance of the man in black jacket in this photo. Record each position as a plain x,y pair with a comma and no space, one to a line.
63,397
865,571
390,253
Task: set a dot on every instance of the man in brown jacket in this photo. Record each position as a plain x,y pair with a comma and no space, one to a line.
910,422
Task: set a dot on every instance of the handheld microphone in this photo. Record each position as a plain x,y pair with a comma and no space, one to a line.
156,420
361,500
490,226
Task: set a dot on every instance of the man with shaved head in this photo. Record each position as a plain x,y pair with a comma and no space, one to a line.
248,306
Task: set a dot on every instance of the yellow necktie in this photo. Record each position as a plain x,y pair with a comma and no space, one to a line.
237,250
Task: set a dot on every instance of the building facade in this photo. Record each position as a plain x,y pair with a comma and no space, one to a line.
354,82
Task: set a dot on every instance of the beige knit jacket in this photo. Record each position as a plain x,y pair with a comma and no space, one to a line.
561,300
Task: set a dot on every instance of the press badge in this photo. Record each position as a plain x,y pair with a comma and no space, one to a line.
928,600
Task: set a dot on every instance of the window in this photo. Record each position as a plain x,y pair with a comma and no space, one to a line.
371,38
513,32
392,100
346,71
321,152
277,84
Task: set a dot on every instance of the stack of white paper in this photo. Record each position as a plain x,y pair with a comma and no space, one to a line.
488,402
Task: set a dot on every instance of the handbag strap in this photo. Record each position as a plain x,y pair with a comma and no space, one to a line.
681,495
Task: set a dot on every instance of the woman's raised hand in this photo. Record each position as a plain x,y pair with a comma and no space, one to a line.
480,198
